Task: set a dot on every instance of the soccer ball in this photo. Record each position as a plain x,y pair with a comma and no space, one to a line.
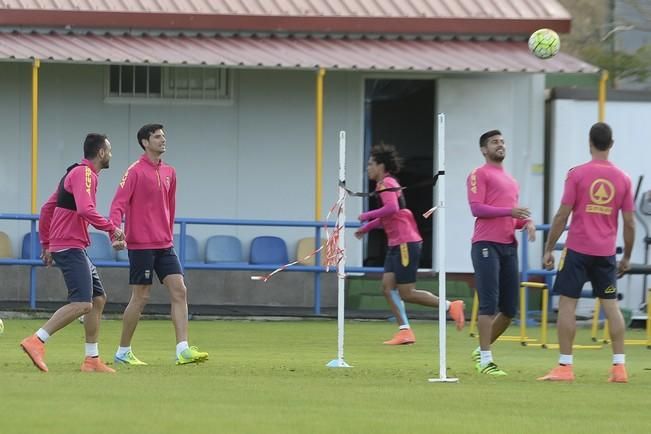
2,327
544,43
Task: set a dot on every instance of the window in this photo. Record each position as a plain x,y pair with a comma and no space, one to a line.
140,82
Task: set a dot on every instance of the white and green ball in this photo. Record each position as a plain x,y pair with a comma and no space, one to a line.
544,43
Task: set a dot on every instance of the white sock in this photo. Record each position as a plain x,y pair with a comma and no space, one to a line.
486,358
123,350
404,327
181,346
92,349
43,335
619,359
566,359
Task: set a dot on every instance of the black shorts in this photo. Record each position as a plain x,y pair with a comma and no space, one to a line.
496,277
80,275
575,269
143,263
403,260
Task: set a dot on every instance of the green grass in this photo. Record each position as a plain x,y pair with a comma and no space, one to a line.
270,377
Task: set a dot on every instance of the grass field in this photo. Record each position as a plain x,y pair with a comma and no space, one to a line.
270,377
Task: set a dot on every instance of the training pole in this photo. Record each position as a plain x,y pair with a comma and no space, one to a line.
439,253
340,226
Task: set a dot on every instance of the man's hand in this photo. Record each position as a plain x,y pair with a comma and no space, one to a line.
46,257
548,261
118,235
531,231
623,266
520,213
359,234
119,245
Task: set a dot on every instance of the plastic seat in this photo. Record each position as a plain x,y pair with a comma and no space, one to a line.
100,248
306,246
5,246
191,248
268,250
25,251
122,255
223,248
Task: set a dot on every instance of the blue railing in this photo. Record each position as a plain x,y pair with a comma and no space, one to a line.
183,222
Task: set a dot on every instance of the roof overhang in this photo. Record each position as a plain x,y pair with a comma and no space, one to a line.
381,54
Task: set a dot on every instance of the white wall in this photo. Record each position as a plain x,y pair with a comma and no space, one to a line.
473,105
252,159
631,152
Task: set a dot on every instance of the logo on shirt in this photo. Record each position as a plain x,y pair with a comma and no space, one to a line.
602,192
167,181
89,180
473,181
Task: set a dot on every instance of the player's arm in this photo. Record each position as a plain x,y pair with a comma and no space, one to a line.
629,239
122,197
44,223
389,205
172,201
373,224
555,232
83,186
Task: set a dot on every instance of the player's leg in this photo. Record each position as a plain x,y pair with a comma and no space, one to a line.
509,287
569,283
405,335
141,272
92,362
77,277
486,263
169,271
406,273
603,276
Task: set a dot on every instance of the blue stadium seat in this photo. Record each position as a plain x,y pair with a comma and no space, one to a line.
122,255
25,253
223,248
191,248
268,250
100,247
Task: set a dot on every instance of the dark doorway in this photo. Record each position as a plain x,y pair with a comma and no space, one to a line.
401,113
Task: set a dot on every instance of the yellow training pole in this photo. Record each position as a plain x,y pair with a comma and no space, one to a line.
523,315
595,320
319,144
606,338
474,315
545,308
35,65
602,95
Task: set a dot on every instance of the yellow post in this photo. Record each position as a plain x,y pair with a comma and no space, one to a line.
474,314
606,338
595,320
543,325
35,65
602,95
523,315
319,144
648,320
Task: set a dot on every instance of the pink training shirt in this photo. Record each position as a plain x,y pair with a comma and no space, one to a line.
492,193
62,228
147,197
399,224
596,191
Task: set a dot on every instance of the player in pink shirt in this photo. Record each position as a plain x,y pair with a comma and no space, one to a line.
595,193
147,197
63,231
405,243
493,198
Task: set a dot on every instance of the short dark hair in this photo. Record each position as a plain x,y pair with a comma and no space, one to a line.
601,136
93,143
387,155
146,131
483,139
